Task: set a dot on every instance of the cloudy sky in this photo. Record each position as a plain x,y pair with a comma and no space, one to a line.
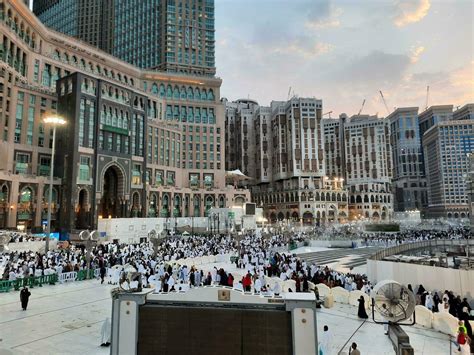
345,51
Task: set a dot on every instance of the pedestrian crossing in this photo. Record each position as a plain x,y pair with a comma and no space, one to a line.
359,256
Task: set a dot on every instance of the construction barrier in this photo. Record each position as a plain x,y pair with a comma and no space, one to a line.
31,282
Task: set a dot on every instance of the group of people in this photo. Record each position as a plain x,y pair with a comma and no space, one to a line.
257,258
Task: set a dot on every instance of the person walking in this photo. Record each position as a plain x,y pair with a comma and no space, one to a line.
361,312
353,349
24,297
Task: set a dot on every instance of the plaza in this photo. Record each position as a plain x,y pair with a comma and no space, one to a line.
67,319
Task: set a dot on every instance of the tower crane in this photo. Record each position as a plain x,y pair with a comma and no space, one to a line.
427,97
363,103
383,99
327,113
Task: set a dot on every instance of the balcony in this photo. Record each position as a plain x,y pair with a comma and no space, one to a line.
194,184
44,170
22,168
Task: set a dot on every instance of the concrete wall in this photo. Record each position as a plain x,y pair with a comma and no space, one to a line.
130,230
32,246
431,277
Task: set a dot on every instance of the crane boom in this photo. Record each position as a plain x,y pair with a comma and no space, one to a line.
427,97
327,113
289,93
383,99
363,103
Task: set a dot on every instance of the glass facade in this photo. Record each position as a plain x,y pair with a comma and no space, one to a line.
171,35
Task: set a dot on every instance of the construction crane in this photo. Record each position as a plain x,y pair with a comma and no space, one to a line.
427,97
289,93
383,99
327,113
363,103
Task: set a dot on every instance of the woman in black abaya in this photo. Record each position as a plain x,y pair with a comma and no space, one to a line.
361,312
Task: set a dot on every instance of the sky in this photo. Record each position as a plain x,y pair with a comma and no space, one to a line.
346,51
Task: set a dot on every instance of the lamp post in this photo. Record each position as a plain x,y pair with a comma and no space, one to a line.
53,121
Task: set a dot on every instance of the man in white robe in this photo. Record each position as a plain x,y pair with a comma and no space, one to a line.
105,332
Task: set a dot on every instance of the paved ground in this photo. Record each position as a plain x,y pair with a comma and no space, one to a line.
66,319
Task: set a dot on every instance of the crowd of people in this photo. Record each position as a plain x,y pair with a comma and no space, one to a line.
256,259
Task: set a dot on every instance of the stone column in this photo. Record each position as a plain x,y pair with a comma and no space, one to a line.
39,204
14,191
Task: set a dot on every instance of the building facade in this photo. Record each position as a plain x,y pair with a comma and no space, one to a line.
168,127
334,151
281,148
409,183
368,159
88,20
447,146
470,190
175,36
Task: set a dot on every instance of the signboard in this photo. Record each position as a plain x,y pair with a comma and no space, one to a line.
231,215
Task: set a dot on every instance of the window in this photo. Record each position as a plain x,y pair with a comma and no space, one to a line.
136,174
84,168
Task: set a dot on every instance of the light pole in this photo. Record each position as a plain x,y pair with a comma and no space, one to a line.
54,121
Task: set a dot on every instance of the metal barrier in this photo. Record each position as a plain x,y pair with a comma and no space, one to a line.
31,282
68,277
398,249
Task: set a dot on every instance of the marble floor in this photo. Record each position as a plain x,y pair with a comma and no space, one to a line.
66,319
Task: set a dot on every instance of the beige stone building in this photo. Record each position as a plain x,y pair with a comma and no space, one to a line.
358,150
281,148
145,143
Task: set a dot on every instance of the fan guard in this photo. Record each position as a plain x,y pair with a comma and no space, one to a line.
393,301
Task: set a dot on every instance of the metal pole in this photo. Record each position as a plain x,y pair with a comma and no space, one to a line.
50,192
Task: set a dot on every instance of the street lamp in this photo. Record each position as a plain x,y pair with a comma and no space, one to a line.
53,121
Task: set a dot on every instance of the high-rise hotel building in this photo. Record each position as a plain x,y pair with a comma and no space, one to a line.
357,149
409,182
281,148
447,146
169,35
136,142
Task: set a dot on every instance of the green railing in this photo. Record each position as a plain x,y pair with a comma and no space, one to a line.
31,282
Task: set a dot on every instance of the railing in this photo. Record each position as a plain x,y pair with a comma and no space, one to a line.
398,249
31,282
86,274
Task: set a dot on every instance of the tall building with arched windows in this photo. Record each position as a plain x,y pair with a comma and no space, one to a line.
137,142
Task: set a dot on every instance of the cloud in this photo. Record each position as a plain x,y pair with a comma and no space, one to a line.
410,11
376,67
305,50
415,53
323,14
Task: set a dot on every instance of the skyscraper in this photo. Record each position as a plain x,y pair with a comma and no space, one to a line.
281,148
368,159
88,20
408,178
136,143
175,36
447,146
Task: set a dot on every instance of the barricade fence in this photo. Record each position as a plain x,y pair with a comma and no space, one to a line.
39,281
89,274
